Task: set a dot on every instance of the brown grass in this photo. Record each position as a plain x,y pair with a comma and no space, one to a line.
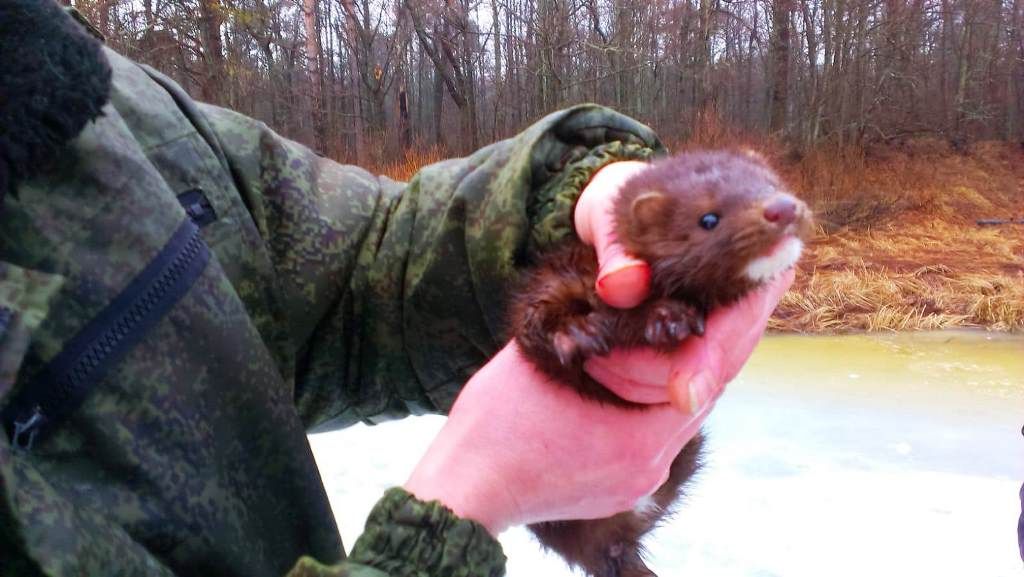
404,167
864,188
923,276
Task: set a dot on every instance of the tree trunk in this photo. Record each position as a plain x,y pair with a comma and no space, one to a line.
405,128
438,109
781,11
316,94
210,21
1015,56
499,101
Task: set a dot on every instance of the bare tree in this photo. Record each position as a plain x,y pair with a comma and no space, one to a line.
455,66
352,77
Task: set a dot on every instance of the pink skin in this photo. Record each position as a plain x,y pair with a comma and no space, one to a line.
517,450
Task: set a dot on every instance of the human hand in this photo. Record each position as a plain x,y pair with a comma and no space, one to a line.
517,449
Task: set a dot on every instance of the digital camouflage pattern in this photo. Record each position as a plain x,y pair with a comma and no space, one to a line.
396,530
333,296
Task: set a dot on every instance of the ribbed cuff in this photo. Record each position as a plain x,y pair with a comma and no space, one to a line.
408,537
553,210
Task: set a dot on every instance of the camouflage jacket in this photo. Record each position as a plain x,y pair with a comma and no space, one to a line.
184,295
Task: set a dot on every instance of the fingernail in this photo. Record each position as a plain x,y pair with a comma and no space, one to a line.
690,395
700,391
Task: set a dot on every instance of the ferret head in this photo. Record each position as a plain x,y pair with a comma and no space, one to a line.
712,224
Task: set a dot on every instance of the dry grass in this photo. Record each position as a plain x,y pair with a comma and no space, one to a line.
404,167
863,299
920,276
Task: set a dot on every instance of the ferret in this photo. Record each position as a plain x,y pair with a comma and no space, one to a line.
712,225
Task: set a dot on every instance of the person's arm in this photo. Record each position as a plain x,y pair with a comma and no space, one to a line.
410,283
395,293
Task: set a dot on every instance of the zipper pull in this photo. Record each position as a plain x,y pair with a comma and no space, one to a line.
25,430
197,206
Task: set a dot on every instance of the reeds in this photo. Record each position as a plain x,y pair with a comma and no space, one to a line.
908,278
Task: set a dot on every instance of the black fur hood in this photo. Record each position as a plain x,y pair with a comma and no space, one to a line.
54,80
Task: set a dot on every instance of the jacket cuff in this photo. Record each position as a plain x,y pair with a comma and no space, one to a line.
408,537
551,214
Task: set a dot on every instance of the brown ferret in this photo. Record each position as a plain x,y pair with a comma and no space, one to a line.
712,225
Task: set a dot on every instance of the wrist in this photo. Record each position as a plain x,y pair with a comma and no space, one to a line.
466,502
466,485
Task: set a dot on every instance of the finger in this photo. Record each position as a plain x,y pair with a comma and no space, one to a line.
623,281
638,375
702,367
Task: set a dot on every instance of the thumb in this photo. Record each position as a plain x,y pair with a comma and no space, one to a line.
622,280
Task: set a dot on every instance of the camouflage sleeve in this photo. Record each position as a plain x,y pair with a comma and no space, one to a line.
395,293
405,537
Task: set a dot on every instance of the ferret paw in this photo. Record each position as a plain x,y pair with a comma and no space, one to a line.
670,321
583,337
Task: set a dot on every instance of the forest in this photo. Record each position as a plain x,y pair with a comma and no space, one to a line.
354,78
898,120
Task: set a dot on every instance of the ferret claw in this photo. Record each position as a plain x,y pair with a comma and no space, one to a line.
698,324
584,338
679,330
653,332
669,322
565,348
589,341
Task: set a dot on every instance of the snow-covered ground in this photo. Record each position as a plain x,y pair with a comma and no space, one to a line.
898,455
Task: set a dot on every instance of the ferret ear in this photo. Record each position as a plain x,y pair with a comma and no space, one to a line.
649,207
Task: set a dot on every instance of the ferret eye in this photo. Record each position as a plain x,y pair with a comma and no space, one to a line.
709,221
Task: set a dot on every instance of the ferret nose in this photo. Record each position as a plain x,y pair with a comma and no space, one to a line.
781,210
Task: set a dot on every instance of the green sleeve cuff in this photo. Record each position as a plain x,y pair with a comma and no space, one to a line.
408,537
552,211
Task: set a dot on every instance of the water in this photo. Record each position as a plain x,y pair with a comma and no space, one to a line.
854,455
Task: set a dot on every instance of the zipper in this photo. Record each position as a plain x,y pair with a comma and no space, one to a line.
61,387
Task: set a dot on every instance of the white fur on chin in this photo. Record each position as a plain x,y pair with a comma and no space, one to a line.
763,268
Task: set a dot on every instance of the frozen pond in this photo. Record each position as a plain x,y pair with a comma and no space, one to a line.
854,455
